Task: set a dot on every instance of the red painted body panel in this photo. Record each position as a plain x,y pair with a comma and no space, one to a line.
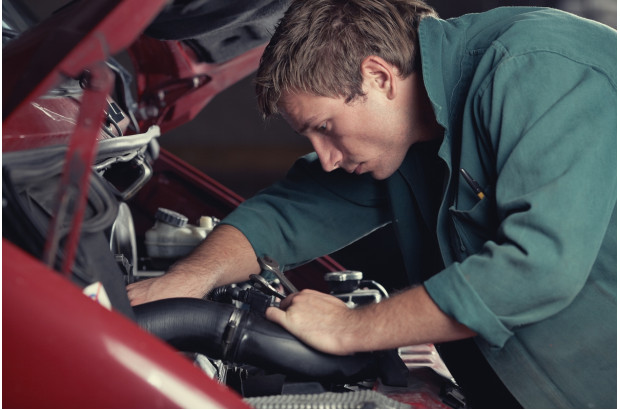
80,35
41,122
60,349
173,87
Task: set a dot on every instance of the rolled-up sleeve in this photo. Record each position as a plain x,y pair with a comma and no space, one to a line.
311,213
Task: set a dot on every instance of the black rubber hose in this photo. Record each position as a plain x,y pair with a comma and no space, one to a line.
189,325
267,345
224,332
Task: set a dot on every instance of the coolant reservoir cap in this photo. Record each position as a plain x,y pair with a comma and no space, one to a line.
171,217
345,281
343,276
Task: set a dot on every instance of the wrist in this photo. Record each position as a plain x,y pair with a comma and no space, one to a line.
356,334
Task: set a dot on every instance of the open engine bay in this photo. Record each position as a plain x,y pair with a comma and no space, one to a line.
225,334
88,193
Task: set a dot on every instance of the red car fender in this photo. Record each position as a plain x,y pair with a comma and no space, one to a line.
62,349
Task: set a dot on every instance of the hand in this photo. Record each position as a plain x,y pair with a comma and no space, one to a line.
169,285
327,324
320,320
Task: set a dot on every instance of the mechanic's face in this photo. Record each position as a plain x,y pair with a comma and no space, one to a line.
371,134
361,136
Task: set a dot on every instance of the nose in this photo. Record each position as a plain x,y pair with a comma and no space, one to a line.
329,156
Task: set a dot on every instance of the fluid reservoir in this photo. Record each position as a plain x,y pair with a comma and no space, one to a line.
173,237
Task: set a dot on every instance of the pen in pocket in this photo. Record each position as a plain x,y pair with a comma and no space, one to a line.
473,184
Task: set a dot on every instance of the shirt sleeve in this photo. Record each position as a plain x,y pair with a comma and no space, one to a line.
311,213
551,123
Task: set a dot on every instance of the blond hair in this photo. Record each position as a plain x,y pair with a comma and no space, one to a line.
319,45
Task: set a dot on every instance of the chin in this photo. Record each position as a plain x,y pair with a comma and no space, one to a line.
384,172
380,175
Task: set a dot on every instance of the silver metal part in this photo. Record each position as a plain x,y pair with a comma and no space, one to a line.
360,297
261,284
343,276
123,238
268,264
363,399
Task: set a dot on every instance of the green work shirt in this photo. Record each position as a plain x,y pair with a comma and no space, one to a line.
527,98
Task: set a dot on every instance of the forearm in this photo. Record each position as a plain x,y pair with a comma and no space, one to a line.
408,318
224,257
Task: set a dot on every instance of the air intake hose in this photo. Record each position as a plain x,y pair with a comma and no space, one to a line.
221,331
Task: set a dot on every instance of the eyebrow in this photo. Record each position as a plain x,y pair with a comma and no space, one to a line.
307,124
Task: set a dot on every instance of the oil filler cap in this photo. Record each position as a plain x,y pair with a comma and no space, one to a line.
171,217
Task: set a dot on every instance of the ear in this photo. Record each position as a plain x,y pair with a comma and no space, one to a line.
378,73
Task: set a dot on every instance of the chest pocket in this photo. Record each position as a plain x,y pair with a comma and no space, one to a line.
473,227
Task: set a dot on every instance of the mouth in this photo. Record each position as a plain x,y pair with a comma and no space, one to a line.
353,168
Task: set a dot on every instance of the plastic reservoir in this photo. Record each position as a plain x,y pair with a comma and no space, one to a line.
173,237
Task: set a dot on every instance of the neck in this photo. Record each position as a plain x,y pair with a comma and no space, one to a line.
424,123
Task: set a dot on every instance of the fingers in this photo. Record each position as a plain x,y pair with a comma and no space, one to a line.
135,293
312,317
140,292
286,302
279,314
276,315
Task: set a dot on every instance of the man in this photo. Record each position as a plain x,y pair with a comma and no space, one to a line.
489,141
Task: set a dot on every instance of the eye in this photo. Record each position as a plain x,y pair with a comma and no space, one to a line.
322,127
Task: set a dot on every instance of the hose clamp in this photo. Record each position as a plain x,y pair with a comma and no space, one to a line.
230,332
